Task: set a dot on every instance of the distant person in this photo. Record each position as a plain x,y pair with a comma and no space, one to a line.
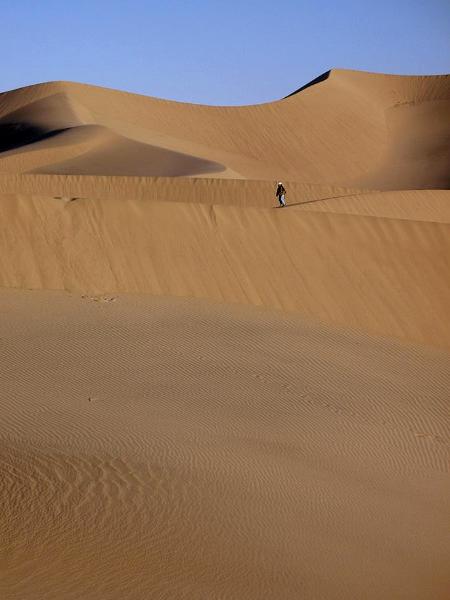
281,194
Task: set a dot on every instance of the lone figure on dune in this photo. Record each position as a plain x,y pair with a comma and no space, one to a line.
281,194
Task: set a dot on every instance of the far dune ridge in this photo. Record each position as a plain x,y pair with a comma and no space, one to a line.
348,128
204,395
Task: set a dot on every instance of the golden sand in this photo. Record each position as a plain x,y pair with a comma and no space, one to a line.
203,396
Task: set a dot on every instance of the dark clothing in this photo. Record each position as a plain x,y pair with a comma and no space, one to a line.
280,194
280,191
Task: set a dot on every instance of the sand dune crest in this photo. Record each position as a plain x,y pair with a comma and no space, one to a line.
352,129
203,395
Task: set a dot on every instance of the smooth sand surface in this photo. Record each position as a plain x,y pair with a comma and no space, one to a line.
354,129
202,395
385,276
413,205
164,448
235,192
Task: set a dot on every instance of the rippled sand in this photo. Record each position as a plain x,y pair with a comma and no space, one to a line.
164,448
204,397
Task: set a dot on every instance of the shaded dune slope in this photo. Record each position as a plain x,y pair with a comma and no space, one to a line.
56,135
350,129
386,276
91,149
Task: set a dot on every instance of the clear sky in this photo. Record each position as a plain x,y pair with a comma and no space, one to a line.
217,52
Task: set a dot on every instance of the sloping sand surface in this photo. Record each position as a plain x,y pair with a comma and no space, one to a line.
352,129
92,149
205,396
244,193
157,448
415,205
386,276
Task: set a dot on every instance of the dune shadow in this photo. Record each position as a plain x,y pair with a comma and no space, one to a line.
16,135
315,81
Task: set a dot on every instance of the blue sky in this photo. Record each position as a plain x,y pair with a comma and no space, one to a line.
218,52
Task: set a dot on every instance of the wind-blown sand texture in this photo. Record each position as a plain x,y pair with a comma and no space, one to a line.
334,267
352,129
205,396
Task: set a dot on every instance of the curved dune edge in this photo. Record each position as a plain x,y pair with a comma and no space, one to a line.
162,448
94,149
235,192
352,129
385,276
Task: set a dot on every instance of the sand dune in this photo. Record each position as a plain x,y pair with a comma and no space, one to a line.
243,193
415,205
162,448
350,129
386,276
205,396
90,149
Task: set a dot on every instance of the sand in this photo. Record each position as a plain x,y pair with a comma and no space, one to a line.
203,395
353,129
412,205
386,276
171,448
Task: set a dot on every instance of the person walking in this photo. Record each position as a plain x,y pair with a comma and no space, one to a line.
281,194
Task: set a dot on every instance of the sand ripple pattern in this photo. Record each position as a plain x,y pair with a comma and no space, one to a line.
178,449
